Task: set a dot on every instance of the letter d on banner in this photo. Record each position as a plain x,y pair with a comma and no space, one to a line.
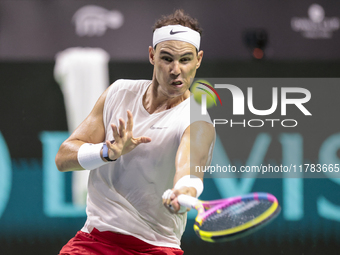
5,174
55,204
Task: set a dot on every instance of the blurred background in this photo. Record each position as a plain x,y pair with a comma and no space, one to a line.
53,54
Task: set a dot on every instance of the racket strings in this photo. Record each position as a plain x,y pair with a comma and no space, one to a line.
234,215
234,209
219,207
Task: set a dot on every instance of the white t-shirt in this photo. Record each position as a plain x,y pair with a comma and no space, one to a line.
125,196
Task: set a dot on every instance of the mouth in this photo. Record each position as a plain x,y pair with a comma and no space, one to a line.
177,84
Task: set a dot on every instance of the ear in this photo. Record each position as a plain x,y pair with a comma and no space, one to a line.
199,58
151,55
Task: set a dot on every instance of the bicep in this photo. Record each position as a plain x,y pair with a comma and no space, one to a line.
195,149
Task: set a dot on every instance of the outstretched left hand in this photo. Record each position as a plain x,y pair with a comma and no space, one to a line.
124,142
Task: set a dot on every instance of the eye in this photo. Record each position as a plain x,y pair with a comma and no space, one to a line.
185,60
167,59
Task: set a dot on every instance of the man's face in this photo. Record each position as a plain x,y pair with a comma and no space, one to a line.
175,64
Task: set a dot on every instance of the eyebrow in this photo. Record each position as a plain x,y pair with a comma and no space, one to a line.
165,52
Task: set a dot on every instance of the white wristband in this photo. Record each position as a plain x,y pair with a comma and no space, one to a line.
89,156
190,181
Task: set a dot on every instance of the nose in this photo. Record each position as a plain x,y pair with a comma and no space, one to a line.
175,68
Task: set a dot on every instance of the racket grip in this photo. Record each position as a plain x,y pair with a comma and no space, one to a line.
187,201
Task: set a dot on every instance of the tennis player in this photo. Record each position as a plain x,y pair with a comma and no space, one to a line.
137,140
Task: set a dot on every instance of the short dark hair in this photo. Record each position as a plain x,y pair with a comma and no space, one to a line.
179,17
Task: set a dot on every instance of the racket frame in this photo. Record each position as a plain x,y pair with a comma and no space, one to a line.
215,205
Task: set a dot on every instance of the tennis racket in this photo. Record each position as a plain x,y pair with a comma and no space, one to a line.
231,218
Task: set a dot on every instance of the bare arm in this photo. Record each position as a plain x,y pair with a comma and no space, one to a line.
91,130
199,137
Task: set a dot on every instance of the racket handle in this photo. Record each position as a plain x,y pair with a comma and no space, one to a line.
187,201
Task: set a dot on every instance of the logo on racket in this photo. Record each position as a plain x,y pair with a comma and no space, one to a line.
205,95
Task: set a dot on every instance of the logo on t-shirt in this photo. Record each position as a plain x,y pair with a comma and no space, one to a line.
152,127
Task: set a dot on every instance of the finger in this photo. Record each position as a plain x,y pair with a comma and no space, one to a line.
129,124
171,208
166,200
169,199
108,143
115,132
121,127
167,194
142,139
179,208
174,205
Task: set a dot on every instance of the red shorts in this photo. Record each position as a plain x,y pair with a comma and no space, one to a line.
102,243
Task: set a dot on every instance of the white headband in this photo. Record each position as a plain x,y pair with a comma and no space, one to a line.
178,33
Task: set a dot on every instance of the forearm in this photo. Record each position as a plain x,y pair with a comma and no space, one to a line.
183,178
67,156
195,150
77,155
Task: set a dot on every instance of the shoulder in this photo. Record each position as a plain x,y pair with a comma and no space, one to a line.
127,84
189,115
122,88
191,112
